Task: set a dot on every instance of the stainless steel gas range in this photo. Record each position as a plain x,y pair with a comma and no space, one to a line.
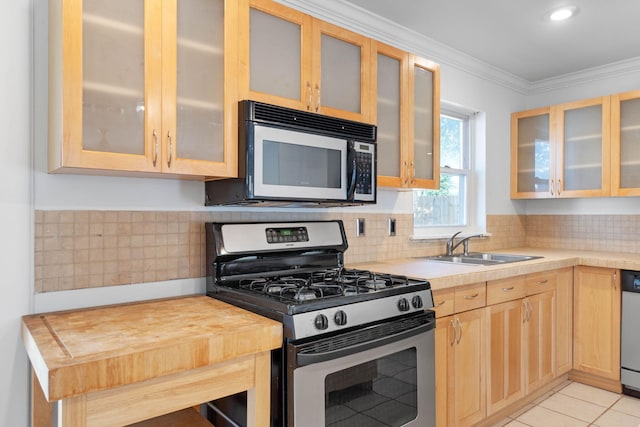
358,346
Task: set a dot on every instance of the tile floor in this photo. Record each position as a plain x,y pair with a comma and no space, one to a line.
574,404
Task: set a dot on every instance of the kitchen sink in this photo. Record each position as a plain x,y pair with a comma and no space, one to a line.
482,258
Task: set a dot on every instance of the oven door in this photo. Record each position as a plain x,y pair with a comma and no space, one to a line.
293,164
367,377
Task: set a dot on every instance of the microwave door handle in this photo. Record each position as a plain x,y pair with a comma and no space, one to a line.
353,176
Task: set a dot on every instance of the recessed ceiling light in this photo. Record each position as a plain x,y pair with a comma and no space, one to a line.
563,13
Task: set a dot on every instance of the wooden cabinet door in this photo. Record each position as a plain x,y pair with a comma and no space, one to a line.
564,321
625,152
467,392
340,70
424,133
596,321
584,160
504,354
199,116
444,343
104,85
532,154
275,55
389,78
540,339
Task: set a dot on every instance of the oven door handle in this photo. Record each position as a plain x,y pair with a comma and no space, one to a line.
314,352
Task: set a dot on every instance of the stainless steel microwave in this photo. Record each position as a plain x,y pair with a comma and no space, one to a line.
293,157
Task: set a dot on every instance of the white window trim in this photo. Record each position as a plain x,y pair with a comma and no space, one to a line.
476,205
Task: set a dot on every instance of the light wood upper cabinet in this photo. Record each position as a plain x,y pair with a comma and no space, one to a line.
562,150
597,306
138,87
291,59
407,93
583,159
625,144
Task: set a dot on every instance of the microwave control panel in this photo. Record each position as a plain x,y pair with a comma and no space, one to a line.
365,165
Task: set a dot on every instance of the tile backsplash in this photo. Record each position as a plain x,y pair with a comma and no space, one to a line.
85,249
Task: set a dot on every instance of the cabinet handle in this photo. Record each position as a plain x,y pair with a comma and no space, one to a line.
317,97
471,296
551,187
310,100
440,304
510,288
615,279
559,186
530,310
412,172
155,148
542,282
460,328
455,333
170,149
524,314
406,177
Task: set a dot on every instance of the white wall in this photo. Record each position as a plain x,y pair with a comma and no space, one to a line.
16,247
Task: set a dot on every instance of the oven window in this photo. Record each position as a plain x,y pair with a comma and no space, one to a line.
381,392
301,165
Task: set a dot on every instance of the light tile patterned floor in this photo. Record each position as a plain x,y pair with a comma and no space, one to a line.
574,404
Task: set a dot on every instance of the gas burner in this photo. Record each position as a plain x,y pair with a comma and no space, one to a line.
305,294
375,283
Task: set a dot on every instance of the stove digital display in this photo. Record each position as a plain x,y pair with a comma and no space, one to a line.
284,235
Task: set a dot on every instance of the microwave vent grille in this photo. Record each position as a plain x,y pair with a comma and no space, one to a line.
304,120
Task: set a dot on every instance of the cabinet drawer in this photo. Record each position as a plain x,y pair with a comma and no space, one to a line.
541,282
507,289
443,302
470,297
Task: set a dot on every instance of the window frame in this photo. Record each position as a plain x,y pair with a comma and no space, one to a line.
474,220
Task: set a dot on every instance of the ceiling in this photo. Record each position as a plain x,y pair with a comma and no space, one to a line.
514,36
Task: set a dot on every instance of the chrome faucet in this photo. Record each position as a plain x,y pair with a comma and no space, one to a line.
452,244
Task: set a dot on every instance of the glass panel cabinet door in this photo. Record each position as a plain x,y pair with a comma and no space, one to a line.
533,151
113,76
275,55
341,77
424,167
585,157
200,80
582,149
625,144
390,76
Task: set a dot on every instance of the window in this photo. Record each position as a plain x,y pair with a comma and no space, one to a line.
438,213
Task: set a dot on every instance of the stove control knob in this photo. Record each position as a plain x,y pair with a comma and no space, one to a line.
416,301
403,304
340,318
321,322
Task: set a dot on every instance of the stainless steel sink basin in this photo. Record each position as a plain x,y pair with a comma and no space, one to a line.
482,258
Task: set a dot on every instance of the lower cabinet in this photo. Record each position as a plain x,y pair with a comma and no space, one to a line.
597,300
494,350
460,388
539,339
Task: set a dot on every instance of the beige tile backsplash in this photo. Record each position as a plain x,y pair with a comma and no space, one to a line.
84,249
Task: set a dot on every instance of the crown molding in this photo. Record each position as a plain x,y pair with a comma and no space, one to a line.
359,20
608,71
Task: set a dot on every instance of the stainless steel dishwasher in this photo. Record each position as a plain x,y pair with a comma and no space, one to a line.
630,342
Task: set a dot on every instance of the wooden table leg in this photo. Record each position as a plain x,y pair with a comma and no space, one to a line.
72,412
259,397
40,408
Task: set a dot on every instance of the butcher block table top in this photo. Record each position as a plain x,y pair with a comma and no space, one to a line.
81,351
